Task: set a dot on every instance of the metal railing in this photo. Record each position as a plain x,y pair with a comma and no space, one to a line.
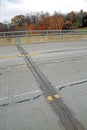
41,33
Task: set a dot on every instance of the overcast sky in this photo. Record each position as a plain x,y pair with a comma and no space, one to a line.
10,8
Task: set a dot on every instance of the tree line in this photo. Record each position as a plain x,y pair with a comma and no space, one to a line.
45,21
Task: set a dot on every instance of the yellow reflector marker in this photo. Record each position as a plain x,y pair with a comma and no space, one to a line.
57,96
49,98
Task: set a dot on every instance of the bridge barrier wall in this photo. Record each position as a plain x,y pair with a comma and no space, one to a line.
40,39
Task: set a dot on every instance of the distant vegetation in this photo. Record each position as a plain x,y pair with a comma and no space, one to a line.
45,21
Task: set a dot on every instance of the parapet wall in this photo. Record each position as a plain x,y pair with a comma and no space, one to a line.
40,39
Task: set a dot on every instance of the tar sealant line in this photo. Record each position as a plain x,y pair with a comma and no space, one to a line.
71,84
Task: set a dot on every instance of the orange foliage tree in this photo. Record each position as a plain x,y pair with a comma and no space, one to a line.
31,27
56,22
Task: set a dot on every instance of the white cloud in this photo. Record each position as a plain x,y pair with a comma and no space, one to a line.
10,8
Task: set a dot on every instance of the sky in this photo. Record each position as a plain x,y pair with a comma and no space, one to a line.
11,8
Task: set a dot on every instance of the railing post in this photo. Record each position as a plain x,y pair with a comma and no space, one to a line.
27,33
4,35
46,32
60,33
17,41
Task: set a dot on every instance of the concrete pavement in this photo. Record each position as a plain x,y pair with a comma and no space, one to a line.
65,66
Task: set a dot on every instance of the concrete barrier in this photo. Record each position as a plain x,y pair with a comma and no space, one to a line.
40,39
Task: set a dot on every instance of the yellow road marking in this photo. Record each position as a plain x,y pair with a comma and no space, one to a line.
57,96
7,57
31,54
16,66
49,98
19,55
34,54
20,66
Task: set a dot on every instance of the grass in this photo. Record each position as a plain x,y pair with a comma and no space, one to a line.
84,28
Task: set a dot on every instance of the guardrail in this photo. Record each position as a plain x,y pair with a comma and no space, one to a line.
41,33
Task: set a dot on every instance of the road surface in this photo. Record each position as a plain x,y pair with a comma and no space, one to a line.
22,102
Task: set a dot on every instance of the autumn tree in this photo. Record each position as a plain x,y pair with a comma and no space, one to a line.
47,22
43,21
31,27
58,21
82,19
71,19
68,25
2,27
20,22
85,20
